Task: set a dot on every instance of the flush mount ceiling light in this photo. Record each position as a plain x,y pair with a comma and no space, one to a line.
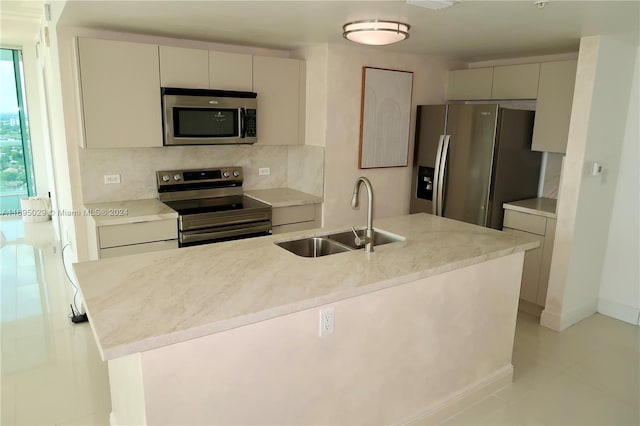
375,32
433,4
540,3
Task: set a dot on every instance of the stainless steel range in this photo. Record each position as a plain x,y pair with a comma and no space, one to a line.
211,205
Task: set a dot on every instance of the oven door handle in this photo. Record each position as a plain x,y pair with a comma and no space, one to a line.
190,237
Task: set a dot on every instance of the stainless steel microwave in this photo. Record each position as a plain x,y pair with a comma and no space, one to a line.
208,117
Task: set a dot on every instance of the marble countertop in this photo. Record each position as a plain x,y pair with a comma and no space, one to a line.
146,301
132,211
283,197
539,206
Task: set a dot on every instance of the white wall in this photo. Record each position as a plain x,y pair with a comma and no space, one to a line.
620,284
596,133
53,94
337,111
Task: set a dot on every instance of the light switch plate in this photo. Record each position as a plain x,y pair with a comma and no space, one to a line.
264,171
110,179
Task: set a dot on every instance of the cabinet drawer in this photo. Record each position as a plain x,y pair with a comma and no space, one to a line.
525,222
293,214
136,233
137,248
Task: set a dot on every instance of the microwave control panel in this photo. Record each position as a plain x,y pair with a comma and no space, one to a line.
250,123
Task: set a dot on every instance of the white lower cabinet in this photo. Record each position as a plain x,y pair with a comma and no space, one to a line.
133,238
295,218
137,248
537,262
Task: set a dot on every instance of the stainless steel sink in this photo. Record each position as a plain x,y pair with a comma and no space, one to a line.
379,238
338,242
313,246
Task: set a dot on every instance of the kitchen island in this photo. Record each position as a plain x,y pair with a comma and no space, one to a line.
228,333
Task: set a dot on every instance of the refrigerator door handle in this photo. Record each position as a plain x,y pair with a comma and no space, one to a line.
441,170
436,182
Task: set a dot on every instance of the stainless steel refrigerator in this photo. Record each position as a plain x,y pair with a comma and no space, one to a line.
471,158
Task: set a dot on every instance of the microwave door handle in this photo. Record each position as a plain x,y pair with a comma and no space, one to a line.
243,127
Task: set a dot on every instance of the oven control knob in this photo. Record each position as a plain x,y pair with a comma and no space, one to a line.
236,173
225,174
166,178
177,177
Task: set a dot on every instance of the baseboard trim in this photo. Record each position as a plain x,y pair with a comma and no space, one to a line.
456,402
551,320
619,311
530,308
562,321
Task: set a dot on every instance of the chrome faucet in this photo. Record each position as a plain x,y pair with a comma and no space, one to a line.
368,239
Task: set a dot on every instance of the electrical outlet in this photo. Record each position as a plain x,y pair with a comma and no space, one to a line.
109,179
326,322
264,171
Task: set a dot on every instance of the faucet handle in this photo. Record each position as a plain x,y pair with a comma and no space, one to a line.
359,240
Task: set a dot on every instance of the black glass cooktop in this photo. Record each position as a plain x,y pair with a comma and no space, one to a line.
216,204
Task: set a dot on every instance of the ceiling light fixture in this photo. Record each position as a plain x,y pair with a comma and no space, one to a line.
433,4
375,32
540,3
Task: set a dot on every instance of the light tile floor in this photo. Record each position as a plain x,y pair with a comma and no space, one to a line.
52,373
587,375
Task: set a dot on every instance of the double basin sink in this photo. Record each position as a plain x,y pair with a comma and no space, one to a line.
339,242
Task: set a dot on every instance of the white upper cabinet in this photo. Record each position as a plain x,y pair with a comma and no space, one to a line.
277,83
553,107
515,81
186,68
470,84
120,86
504,82
202,69
230,71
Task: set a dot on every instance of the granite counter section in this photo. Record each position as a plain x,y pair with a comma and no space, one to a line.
132,211
539,206
283,197
146,301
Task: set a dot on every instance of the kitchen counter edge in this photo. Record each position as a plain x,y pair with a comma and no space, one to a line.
391,269
283,197
129,211
538,206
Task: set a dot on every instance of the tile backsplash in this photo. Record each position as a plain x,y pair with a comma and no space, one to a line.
305,169
137,168
552,174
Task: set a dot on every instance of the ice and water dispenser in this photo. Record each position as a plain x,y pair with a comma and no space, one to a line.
425,183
